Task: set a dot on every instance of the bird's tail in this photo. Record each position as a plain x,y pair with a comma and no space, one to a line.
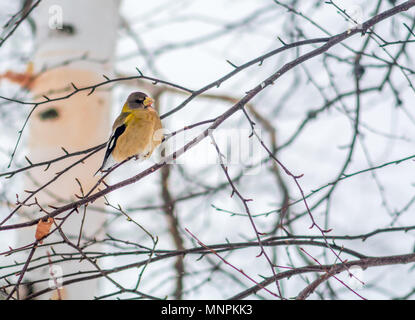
102,166
97,172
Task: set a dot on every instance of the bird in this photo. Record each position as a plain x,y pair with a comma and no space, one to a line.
136,132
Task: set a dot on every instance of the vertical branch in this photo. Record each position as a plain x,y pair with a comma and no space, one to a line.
274,167
173,229
172,220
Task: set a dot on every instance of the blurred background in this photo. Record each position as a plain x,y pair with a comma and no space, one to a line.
343,119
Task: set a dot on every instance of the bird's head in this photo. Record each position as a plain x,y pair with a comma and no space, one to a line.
139,100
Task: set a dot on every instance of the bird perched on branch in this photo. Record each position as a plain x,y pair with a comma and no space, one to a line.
137,131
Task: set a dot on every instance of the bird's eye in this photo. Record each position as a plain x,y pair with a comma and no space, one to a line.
139,101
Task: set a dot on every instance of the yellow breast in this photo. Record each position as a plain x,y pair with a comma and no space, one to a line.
137,139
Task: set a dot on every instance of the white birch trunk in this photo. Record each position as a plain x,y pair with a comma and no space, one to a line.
88,29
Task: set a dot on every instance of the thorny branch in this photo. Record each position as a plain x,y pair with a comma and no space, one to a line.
362,60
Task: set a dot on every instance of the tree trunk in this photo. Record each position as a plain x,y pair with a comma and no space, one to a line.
84,34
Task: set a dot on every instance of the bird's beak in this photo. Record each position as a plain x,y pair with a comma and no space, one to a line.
148,102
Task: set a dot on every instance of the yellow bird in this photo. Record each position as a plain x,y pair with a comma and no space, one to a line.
137,131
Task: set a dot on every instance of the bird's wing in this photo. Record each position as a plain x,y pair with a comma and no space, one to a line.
117,129
120,120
